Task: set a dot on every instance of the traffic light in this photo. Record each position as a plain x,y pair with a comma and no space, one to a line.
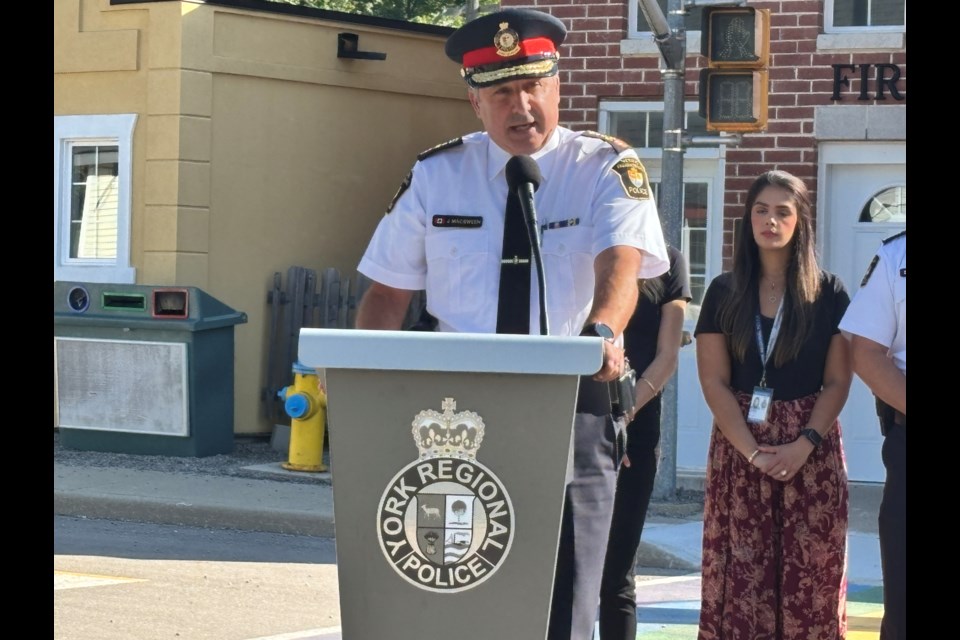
733,87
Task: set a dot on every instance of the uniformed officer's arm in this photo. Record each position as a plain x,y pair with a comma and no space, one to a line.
614,300
878,371
383,307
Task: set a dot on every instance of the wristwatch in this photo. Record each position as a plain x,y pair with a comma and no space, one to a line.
599,330
812,435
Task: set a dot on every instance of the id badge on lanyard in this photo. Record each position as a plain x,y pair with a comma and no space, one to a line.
762,397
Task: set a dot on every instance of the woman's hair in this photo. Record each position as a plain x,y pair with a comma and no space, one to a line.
738,310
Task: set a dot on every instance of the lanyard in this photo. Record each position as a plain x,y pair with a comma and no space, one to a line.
766,350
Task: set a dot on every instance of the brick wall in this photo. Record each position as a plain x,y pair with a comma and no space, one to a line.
801,78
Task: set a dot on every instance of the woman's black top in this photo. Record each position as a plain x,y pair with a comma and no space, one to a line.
640,334
799,377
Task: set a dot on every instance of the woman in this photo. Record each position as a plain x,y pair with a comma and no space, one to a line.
775,514
652,342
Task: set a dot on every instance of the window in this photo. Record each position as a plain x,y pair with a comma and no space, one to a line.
91,207
693,235
863,15
890,205
641,125
640,39
645,128
639,26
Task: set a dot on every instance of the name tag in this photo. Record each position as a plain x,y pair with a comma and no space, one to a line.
458,222
903,272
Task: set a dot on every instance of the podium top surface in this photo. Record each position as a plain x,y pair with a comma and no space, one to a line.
432,351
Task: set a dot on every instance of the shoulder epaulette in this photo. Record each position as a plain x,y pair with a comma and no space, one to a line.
895,236
449,144
619,145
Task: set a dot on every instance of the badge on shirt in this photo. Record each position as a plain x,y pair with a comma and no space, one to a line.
903,272
633,177
760,405
458,222
866,276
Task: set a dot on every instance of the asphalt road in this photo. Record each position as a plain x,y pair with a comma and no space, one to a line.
120,580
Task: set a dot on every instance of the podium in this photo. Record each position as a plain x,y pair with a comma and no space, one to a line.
449,455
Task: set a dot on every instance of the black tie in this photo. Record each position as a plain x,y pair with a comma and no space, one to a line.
513,305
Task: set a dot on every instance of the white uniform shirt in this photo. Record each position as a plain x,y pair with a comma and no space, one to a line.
878,311
582,208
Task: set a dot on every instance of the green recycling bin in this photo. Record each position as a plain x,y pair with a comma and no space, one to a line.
143,369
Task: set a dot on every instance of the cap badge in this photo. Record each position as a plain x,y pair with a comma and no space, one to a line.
507,41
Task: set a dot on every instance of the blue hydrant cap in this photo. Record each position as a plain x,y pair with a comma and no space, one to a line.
303,369
297,405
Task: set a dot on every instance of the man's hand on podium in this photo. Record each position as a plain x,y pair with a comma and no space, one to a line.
613,363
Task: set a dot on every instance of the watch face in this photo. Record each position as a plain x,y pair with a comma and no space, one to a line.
604,331
598,329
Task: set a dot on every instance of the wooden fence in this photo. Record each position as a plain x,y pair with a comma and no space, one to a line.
304,300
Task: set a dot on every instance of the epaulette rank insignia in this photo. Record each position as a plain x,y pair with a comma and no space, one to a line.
633,177
619,145
449,144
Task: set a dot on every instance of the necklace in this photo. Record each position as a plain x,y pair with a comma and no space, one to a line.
773,296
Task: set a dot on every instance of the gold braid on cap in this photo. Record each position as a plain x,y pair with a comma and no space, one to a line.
538,67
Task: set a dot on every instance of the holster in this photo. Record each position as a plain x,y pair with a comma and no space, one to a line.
889,416
623,394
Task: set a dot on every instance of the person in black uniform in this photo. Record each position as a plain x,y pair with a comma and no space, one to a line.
652,341
876,323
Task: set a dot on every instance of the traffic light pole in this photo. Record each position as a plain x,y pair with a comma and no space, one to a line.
670,36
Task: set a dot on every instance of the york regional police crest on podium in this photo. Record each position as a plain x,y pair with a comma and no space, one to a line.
445,521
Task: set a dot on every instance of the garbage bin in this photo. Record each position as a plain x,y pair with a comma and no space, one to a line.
143,369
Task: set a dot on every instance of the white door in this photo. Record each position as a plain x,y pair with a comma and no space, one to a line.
702,228
862,201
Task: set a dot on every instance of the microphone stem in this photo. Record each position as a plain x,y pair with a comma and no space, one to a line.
541,290
525,194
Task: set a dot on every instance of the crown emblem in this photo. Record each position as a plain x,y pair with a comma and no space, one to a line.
507,41
448,434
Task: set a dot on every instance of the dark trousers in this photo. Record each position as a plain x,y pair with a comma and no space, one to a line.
893,535
618,594
588,506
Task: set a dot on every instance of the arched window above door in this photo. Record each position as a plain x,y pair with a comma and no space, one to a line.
889,205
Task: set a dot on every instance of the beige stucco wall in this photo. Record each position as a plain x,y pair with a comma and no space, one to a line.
256,148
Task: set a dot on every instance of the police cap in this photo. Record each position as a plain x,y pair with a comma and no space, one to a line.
507,45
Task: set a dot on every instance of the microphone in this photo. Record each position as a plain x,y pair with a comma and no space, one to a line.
523,177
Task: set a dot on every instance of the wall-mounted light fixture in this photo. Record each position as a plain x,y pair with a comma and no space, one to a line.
348,47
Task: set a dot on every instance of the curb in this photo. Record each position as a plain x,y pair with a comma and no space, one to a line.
189,515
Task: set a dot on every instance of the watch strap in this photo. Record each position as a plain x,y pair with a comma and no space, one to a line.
813,436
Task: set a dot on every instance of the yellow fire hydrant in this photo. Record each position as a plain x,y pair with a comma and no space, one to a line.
306,404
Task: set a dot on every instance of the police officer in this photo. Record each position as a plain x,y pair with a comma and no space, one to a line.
451,231
876,323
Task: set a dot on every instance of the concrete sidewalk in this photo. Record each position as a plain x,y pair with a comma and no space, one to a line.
266,497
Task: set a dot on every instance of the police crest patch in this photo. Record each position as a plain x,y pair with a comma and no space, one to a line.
445,521
633,177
